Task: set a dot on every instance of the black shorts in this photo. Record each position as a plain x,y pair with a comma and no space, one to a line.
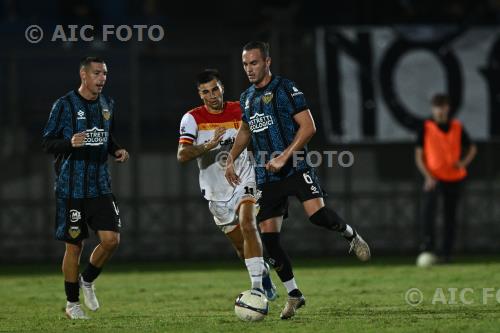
274,197
74,216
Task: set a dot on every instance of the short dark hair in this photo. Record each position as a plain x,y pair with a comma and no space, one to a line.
262,46
86,61
207,75
440,100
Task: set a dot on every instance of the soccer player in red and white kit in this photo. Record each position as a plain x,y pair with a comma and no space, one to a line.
206,134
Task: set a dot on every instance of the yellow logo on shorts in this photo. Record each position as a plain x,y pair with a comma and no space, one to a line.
74,232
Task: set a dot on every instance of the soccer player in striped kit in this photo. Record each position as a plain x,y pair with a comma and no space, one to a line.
277,120
79,133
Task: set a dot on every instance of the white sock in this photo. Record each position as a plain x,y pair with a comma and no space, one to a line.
255,267
348,231
71,304
290,285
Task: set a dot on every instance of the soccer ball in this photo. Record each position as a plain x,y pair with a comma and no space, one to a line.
251,305
426,259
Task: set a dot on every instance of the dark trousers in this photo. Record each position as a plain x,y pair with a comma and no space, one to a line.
450,192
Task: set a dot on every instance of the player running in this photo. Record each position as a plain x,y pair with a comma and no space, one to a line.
277,120
206,132
79,133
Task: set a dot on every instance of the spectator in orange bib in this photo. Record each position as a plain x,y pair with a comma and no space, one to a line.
443,152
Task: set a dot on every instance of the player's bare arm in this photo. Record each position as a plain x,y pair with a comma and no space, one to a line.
187,152
240,143
468,157
306,130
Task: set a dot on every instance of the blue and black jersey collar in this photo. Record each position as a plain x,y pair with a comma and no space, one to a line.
273,78
84,100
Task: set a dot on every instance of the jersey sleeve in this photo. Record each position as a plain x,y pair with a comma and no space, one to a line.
242,104
188,130
296,97
420,136
58,130
55,124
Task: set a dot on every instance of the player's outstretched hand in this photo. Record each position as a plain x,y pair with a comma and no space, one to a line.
78,140
121,155
231,175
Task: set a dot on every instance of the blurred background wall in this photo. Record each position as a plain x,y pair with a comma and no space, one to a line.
367,69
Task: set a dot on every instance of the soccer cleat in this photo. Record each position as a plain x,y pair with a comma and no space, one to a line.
268,285
91,301
360,248
291,306
74,311
259,290
271,293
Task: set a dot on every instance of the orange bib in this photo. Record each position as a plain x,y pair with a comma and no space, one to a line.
442,151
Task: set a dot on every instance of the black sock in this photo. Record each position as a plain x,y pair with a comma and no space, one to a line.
91,273
277,256
295,293
329,219
72,290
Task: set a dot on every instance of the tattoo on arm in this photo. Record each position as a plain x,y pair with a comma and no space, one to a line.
186,153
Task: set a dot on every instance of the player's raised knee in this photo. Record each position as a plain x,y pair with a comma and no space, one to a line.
110,242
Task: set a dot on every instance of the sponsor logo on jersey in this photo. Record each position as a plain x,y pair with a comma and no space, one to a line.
268,96
227,142
81,115
260,122
106,114
96,137
74,216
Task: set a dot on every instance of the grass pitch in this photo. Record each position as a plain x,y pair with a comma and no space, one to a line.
342,296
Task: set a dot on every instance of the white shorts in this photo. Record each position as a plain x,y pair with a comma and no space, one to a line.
226,212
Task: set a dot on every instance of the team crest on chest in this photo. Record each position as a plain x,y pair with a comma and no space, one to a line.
268,96
106,114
